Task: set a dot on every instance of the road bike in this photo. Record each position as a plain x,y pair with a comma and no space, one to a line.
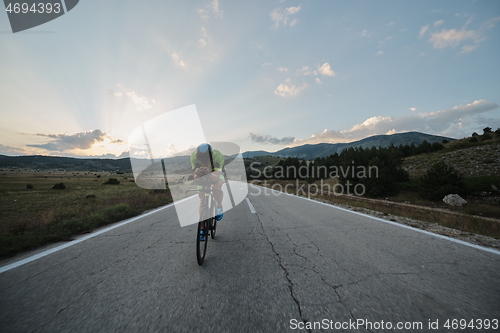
208,222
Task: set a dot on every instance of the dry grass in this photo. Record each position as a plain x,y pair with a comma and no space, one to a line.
32,217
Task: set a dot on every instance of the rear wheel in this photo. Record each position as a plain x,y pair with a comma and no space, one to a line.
201,245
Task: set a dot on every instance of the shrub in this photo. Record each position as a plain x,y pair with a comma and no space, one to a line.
485,137
440,180
473,139
29,186
90,196
112,181
59,186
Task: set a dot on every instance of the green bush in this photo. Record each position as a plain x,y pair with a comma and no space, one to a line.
112,181
485,137
29,186
441,180
476,185
59,186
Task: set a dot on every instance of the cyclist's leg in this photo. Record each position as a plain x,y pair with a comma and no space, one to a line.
217,180
218,194
201,195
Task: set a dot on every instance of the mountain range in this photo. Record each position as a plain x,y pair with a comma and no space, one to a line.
310,152
303,152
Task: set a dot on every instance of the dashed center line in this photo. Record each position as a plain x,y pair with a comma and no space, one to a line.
252,209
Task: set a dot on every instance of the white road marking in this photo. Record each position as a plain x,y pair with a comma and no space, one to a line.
393,223
252,208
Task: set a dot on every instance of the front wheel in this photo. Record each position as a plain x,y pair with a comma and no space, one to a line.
201,245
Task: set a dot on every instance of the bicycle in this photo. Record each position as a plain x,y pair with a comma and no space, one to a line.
207,218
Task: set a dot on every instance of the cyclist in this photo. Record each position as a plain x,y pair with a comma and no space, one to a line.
205,160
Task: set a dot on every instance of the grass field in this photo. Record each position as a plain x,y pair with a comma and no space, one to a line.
32,213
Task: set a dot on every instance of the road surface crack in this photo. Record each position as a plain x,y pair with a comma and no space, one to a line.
287,274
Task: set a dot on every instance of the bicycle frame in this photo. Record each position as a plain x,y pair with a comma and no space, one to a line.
207,220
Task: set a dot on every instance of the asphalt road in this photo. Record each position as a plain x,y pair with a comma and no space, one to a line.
292,261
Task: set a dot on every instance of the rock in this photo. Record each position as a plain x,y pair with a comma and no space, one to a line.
494,188
454,200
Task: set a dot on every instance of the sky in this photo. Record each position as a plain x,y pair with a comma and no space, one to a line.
262,74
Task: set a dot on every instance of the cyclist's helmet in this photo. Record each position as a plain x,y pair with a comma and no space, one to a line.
203,152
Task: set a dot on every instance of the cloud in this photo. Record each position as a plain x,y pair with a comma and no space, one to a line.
202,42
305,70
285,90
468,48
365,33
266,64
141,102
325,69
451,37
115,93
380,52
414,109
82,140
318,80
391,23
491,23
215,8
281,17
283,69
423,30
212,8
438,23
177,60
439,122
10,150
267,139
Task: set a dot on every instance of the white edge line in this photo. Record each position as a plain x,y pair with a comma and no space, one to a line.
393,223
79,240
252,208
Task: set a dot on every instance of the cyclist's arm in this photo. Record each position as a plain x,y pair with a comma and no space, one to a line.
218,160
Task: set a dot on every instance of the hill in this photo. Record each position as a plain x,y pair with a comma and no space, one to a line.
471,159
310,152
40,162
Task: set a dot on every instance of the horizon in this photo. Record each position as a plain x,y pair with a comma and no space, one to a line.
263,75
242,152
